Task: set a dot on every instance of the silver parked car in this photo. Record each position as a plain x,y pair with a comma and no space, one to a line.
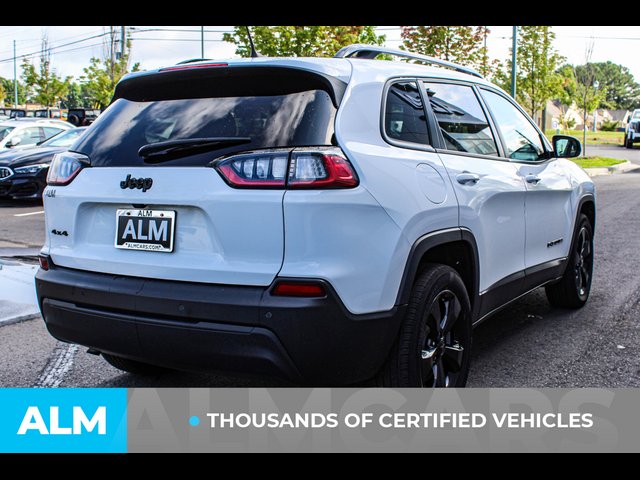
18,133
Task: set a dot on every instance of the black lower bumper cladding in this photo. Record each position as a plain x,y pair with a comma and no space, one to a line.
225,329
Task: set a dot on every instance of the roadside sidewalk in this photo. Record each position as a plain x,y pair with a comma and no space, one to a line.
620,168
18,300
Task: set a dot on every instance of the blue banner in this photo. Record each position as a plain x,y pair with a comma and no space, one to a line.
63,420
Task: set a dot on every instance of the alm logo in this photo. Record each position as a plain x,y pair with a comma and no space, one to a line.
33,420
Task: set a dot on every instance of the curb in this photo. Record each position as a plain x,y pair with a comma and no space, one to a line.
619,168
23,318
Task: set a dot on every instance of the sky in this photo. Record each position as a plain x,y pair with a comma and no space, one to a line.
159,46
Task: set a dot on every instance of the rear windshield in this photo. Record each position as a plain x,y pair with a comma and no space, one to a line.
296,119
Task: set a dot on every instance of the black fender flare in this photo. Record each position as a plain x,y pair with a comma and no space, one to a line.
441,238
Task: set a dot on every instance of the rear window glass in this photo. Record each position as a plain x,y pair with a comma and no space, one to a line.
270,121
405,120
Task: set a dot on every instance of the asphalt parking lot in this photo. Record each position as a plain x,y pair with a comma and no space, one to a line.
21,226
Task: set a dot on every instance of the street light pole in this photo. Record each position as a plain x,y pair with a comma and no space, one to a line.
595,111
15,78
513,63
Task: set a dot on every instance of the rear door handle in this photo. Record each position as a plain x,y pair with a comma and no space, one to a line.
466,178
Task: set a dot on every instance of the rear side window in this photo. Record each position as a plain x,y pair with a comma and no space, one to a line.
462,121
279,120
50,132
404,118
30,136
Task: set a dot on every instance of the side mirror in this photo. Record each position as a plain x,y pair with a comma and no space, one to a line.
566,147
13,142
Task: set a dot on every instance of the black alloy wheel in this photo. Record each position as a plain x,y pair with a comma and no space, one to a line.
433,347
583,264
573,289
443,353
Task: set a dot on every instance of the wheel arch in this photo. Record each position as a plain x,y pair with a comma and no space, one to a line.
454,247
587,206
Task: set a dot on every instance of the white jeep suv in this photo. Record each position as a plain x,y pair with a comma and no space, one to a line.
323,221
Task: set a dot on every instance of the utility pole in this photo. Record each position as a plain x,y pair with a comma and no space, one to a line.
513,63
118,54
15,78
595,112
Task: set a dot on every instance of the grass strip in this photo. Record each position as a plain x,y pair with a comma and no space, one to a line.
592,162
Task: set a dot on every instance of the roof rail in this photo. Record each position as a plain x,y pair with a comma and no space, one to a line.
372,51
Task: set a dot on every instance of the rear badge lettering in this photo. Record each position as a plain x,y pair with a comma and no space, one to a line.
143,184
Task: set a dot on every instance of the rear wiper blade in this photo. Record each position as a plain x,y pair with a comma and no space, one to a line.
173,149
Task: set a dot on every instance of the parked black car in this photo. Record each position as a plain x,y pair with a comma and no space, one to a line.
23,174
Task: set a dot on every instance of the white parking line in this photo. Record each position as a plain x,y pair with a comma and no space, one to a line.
59,364
26,214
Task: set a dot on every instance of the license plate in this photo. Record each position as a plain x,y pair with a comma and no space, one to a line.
150,230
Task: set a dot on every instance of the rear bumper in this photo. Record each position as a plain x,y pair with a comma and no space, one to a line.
231,330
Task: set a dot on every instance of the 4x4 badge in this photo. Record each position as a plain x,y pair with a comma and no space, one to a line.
143,184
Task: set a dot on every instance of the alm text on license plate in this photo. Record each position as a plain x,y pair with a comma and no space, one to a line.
150,230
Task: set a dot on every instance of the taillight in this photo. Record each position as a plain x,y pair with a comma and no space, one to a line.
256,170
44,262
305,168
65,167
317,169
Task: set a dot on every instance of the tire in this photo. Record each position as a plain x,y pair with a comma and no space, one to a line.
433,347
132,366
572,291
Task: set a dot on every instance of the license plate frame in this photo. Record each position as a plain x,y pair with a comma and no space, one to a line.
135,230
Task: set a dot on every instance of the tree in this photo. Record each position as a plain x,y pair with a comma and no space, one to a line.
622,92
46,87
300,41
463,45
537,77
77,97
104,74
609,125
8,86
581,89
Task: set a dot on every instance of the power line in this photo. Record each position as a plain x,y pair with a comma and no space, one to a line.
136,30
57,47
174,40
